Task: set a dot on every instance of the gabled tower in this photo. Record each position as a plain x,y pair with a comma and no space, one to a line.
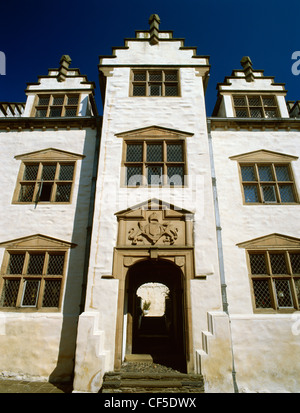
154,156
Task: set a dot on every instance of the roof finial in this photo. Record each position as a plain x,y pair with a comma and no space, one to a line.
247,65
65,62
154,28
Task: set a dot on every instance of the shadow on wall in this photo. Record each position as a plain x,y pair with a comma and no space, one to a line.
74,296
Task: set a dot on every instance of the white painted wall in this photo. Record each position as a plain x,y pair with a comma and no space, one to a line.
266,347
40,344
124,113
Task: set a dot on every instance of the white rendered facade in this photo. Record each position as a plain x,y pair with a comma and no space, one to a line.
195,239
265,340
38,343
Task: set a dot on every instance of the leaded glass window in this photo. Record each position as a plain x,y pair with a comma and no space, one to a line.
46,182
268,183
155,83
57,105
154,163
275,279
32,279
255,106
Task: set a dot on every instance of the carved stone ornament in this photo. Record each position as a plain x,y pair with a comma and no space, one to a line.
153,231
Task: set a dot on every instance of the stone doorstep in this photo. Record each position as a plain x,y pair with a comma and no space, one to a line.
119,375
139,358
151,383
152,380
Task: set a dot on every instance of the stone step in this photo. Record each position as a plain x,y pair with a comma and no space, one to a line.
149,382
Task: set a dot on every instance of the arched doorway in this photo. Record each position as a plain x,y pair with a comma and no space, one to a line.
159,333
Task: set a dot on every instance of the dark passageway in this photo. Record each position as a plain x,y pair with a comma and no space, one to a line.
160,336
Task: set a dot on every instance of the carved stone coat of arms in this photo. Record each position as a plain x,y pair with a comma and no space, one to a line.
153,231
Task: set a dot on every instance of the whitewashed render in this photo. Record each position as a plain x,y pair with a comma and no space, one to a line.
265,345
206,227
39,344
123,113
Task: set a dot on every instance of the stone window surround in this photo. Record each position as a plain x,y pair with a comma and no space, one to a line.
48,156
271,159
266,246
32,245
144,163
271,279
64,106
147,82
262,106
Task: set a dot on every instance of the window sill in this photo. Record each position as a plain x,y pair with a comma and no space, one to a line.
29,310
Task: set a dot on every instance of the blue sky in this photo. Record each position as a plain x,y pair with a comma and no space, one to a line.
35,34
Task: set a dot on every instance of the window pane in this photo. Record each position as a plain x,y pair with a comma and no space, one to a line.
283,293
254,101
154,175
139,90
63,192
270,113
155,90
171,90
30,172
155,76
73,99
171,76
48,173
139,76
239,101
155,153
282,173
15,265
250,192
58,100
66,172
44,100
241,113
297,286
286,193
36,263
262,294
269,101
51,293
71,112
26,193
9,293
258,264
269,194
56,264
174,153
265,173
248,173
55,112
256,113
175,175
30,295
134,176
278,264
134,153
41,113
295,262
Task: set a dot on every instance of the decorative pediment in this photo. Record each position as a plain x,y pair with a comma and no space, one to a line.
154,222
153,204
263,156
37,241
49,154
272,241
158,132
